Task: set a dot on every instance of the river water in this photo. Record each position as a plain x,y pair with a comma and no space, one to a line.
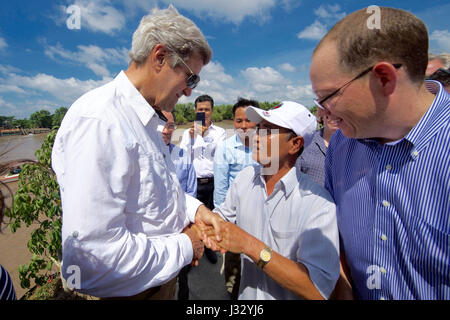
20,147
24,147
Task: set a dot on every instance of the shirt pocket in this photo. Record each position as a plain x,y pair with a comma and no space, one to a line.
285,237
155,192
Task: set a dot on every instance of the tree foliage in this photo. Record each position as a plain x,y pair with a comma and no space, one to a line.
39,119
186,112
37,201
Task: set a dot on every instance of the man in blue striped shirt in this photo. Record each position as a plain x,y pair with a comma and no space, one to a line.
388,167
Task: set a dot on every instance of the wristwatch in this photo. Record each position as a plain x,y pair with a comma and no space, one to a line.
264,257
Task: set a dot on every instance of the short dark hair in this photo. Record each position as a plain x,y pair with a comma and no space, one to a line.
402,38
244,103
204,98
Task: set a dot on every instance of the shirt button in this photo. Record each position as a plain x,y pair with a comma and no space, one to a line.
75,234
415,153
386,203
382,298
383,270
388,167
383,237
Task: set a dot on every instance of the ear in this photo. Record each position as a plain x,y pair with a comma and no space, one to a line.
296,144
158,56
386,76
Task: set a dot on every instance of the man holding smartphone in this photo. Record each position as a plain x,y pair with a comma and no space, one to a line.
201,141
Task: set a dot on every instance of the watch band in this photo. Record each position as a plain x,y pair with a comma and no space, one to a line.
264,257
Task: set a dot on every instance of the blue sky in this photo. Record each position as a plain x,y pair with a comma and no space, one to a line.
262,48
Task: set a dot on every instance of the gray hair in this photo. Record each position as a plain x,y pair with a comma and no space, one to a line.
178,33
444,57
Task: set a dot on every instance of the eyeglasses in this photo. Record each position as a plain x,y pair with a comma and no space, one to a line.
193,78
320,102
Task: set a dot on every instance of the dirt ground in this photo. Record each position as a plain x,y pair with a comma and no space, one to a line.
13,249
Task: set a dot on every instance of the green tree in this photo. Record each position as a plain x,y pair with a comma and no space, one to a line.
37,200
58,116
22,123
41,119
7,122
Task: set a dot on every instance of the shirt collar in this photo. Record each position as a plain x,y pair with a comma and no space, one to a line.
434,118
134,99
289,181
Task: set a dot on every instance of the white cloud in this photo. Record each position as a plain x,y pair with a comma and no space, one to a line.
93,57
266,75
8,109
440,41
10,88
64,90
3,44
215,72
287,67
97,16
327,15
329,12
234,11
313,32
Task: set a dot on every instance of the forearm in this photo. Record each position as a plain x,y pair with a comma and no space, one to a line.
287,273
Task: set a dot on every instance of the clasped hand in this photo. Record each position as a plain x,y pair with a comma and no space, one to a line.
215,233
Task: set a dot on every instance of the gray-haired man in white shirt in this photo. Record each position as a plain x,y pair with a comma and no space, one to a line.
125,216
282,222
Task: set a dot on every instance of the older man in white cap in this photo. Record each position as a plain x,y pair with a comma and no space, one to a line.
282,223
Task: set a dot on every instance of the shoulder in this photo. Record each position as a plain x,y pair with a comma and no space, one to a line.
309,189
219,131
246,175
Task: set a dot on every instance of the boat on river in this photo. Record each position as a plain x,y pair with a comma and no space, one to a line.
9,178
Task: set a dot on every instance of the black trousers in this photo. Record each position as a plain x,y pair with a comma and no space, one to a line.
205,192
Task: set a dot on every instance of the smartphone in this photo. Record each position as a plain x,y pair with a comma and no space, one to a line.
200,117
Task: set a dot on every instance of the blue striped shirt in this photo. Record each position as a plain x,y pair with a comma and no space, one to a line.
393,208
312,160
6,286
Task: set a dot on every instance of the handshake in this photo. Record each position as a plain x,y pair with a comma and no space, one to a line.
212,231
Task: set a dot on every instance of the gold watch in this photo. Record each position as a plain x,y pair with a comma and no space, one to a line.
264,257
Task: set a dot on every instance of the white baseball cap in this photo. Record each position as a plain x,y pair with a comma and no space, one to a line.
289,115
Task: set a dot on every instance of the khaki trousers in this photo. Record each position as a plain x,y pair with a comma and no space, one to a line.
163,292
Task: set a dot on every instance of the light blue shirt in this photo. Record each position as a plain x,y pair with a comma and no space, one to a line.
298,221
230,158
184,169
393,207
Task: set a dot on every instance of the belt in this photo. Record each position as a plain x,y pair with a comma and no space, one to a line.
205,180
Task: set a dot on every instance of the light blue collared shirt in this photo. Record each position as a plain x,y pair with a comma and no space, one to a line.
184,169
393,207
230,158
297,220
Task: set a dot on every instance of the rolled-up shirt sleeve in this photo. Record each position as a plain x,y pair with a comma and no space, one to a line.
318,247
94,165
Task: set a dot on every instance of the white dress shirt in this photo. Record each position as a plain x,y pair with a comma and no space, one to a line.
123,207
202,149
298,221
